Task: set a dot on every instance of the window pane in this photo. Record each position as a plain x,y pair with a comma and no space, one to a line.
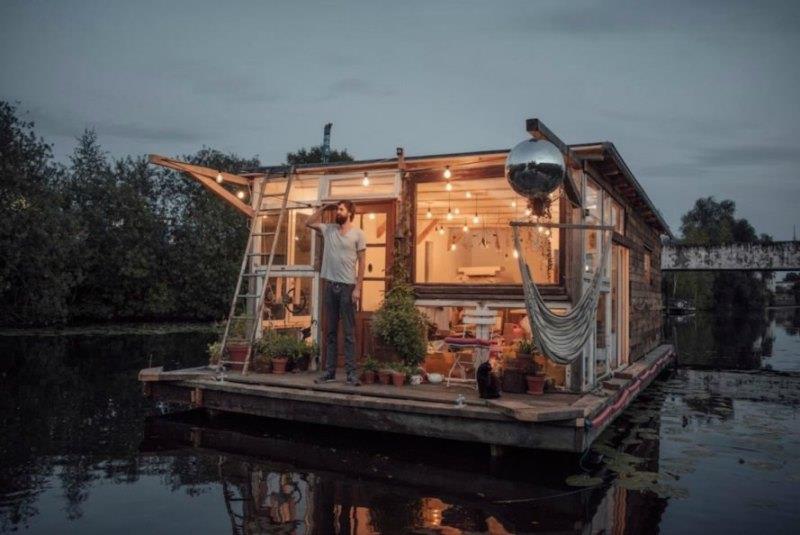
474,244
372,295
380,185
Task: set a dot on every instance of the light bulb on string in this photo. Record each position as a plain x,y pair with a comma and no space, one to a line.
465,228
452,246
219,178
449,211
475,218
456,210
468,194
372,215
428,214
441,230
240,194
513,204
365,180
515,253
448,186
447,174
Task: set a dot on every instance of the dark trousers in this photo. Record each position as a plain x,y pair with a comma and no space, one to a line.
339,305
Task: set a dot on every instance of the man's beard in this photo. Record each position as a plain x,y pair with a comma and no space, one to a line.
341,219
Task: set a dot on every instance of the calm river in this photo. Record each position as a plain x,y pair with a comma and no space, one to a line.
711,447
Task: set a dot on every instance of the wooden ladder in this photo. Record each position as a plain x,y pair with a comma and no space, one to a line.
255,273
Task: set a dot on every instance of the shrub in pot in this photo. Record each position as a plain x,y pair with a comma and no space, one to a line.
399,372
262,363
279,349
214,353
385,375
238,344
398,325
305,355
370,368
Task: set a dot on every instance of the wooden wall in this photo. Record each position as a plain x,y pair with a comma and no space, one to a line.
645,309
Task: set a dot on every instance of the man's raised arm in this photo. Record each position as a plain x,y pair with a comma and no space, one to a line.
315,221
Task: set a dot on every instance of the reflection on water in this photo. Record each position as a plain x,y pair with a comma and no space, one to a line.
738,340
707,448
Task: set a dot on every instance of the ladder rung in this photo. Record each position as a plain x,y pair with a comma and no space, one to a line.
263,234
253,274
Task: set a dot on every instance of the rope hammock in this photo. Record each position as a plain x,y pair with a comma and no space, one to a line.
560,338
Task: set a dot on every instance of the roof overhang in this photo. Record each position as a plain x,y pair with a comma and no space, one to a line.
609,162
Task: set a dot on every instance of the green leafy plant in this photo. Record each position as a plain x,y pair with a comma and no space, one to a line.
399,324
214,352
371,365
526,347
238,329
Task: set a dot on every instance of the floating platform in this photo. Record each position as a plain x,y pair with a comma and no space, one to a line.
553,421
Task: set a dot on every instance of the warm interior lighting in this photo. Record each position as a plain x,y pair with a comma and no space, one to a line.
428,214
515,253
365,180
240,194
447,173
465,228
528,211
456,210
448,186
513,204
449,216
371,215
452,246
475,219
468,194
441,230
219,177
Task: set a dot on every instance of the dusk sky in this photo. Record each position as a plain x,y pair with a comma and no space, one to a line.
700,98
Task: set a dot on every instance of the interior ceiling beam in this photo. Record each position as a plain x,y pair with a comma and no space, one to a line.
207,178
432,175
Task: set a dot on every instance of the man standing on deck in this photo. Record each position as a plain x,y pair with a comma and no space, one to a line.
344,246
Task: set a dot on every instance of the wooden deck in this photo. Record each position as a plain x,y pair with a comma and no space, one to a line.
553,421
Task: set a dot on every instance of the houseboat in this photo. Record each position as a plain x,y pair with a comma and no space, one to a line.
449,221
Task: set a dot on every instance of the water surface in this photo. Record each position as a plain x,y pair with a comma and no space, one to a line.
711,447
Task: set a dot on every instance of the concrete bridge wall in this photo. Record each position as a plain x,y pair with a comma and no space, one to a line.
777,256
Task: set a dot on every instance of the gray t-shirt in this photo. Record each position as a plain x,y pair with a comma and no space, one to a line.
340,253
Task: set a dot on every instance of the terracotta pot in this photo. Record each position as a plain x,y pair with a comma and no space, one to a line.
369,377
385,377
237,353
279,365
398,378
535,384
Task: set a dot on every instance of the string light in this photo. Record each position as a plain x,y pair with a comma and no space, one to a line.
449,212
475,218
468,194
441,230
448,186
447,174
240,194
219,177
456,210
452,246
513,204
515,253
365,180
372,215
465,228
429,214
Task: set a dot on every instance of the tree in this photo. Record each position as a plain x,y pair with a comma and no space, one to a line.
37,235
712,222
314,155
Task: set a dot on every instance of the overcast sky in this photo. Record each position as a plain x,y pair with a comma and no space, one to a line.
700,98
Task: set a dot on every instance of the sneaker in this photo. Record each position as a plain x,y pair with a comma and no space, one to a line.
352,380
325,378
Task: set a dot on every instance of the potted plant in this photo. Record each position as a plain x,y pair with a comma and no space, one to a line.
262,363
370,367
385,374
399,327
534,378
284,350
305,354
214,353
399,372
238,344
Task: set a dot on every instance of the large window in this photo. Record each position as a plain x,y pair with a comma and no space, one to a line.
295,241
463,234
